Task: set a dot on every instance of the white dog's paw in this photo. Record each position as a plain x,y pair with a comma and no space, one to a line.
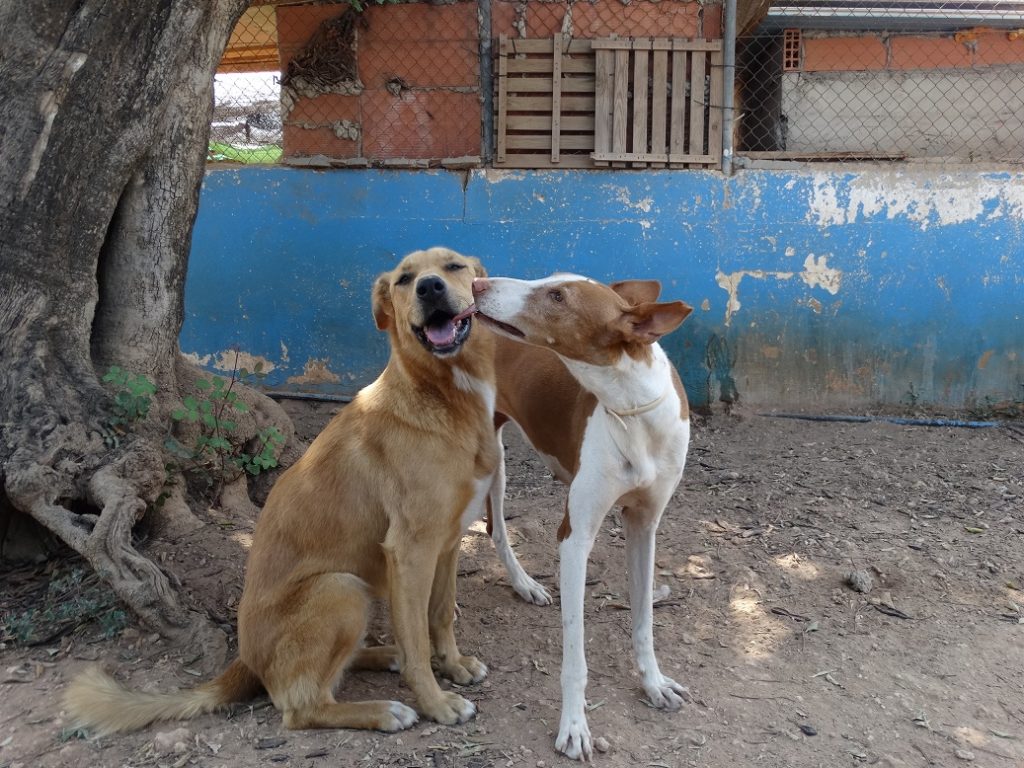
399,717
531,591
574,739
666,693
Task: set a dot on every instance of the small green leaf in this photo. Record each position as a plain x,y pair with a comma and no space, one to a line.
177,449
203,384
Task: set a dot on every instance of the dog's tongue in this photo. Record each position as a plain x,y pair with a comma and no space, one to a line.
441,335
444,335
467,312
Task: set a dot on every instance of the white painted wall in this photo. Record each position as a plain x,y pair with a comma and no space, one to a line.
966,114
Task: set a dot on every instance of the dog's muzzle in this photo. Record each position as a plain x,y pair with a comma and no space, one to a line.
446,328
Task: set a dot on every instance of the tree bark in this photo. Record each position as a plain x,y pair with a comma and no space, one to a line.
104,118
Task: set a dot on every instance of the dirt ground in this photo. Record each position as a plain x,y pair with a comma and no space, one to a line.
786,664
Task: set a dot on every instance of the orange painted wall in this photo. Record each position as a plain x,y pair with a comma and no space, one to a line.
427,54
843,53
977,48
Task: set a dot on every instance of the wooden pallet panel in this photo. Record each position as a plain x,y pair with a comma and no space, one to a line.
619,102
546,87
654,90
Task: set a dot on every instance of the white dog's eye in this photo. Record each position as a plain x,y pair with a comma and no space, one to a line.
404,279
454,267
556,295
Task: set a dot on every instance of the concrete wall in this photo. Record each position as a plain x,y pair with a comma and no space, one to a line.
961,114
940,95
816,290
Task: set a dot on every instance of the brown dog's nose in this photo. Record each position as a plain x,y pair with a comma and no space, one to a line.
480,285
430,287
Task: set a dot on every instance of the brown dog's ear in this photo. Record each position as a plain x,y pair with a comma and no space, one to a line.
637,291
478,268
647,323
382,310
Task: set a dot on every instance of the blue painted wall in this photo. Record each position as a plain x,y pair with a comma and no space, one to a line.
814,290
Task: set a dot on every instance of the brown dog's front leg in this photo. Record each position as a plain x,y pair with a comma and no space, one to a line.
451,663
411,571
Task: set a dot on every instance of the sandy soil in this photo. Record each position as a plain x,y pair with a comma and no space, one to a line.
787,665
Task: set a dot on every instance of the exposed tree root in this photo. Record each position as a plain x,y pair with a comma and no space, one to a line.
119,491
92,498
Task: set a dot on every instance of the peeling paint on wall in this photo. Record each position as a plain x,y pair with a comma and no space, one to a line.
316,372
233,359
816,274
730,283
925,199
196,359
498,175
820,274
622,195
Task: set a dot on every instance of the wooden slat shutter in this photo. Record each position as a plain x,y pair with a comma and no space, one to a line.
643,82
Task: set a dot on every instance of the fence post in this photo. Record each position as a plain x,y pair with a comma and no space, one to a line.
728,84
486,80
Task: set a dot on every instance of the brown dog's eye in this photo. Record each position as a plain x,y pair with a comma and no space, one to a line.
405,279
454,267
556,295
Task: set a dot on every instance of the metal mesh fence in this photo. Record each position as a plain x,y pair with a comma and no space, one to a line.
882,81
320,83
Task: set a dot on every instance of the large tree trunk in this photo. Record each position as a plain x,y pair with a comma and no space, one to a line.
104,116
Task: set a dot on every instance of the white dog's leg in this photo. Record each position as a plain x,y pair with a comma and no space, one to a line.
526,587
588,504
641,525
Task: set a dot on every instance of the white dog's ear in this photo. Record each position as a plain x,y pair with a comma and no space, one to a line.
647,323
637,291
383,310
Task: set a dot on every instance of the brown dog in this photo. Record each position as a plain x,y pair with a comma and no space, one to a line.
375,508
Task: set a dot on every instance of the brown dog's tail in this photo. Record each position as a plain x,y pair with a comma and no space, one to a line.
96,701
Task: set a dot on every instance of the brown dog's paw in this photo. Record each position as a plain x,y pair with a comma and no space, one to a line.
466,670
398,717
450,709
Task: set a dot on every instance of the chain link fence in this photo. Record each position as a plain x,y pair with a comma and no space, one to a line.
915,81
404,84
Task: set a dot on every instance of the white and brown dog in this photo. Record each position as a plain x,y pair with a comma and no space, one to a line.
375,508
580,371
